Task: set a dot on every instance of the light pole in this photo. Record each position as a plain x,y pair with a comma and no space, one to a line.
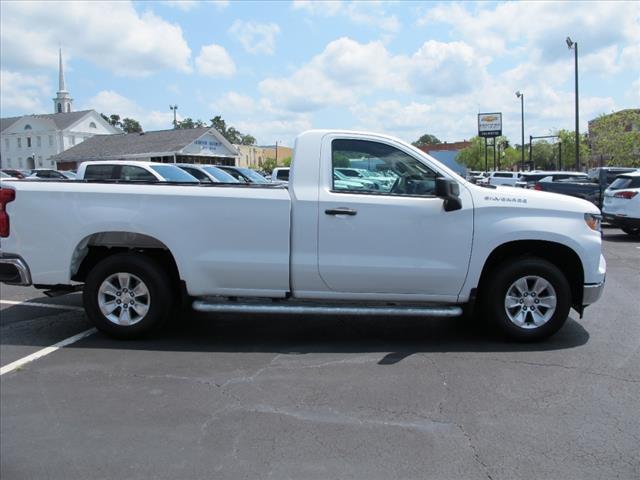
174,108
520,95
571,44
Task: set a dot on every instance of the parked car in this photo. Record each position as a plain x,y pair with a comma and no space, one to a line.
280,174
6,176
529,179
243,175
207,173
69,174
15,173
590,189
430,246
132,171
383,182
45,173
503,178
621,206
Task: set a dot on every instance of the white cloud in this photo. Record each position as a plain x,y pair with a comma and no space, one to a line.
214,61
367,13
110,102
112,35
256,37
261,118
22,92
184,5
347,70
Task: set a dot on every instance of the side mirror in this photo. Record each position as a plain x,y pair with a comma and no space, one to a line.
449,191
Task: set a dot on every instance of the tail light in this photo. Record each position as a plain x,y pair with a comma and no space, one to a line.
6,195
626,194
537,186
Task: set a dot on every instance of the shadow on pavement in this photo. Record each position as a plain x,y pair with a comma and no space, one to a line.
620,237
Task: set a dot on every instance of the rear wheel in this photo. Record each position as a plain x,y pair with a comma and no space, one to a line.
529,299
127,295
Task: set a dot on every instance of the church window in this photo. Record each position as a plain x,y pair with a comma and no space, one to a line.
51,140
27,127
92,125
19,142
39,160
59,108
28,142
39,141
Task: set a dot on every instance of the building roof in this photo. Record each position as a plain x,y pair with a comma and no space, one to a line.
125,145
61,120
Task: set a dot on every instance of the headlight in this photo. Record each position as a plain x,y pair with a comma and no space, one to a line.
593,221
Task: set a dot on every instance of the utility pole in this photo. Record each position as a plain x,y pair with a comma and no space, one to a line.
174,108
574,45
276,153
520,95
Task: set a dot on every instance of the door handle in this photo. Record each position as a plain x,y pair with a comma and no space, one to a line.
341,211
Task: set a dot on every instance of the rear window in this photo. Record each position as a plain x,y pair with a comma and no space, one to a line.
171,173
99,172
133,174
197,173
282,175
625,182
503,175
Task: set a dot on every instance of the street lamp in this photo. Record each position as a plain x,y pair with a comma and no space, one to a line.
574,45
174,108
520,95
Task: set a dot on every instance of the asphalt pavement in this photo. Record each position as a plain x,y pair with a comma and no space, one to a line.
292,397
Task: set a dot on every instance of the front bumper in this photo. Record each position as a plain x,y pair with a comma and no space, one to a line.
592,293
14,270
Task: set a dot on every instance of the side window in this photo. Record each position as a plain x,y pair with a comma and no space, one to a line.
99,172
198,174
362,166
129,172
283,175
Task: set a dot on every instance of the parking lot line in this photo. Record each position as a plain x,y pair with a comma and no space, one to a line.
45,351
45,305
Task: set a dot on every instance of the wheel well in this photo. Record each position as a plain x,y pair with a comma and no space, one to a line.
99,246
561,256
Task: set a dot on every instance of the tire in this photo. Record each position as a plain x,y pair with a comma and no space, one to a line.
134,288
532,283
633,231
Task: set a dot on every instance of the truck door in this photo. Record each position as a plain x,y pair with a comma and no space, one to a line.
386,232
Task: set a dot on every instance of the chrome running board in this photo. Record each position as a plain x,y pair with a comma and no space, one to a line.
284,307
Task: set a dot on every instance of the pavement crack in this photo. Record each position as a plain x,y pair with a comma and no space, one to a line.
476,454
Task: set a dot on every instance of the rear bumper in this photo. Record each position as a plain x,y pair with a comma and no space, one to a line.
621,221
14,270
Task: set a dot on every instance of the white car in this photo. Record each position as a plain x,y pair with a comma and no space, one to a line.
621,205
207,173
503,178
119,170
528,179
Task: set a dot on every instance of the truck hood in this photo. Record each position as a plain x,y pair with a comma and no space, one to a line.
526,198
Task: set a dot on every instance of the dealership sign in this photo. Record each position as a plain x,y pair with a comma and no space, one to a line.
489,124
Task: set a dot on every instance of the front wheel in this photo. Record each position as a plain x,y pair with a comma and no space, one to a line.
529,299
127,295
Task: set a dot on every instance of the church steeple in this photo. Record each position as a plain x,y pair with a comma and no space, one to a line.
62,102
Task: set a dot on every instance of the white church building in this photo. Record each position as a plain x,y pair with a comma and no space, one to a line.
30,141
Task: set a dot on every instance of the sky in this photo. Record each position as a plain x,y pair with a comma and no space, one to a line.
275,69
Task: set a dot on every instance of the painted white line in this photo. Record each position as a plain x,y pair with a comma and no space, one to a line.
45,305
45,351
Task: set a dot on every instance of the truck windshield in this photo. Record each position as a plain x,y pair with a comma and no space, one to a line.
171,173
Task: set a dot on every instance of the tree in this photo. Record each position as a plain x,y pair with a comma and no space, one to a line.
615,138
286,162
113,119
568,140
269,164
247,140
472,157
219,124
426,139
129,125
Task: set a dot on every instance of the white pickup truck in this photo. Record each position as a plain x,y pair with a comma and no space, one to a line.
429,244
